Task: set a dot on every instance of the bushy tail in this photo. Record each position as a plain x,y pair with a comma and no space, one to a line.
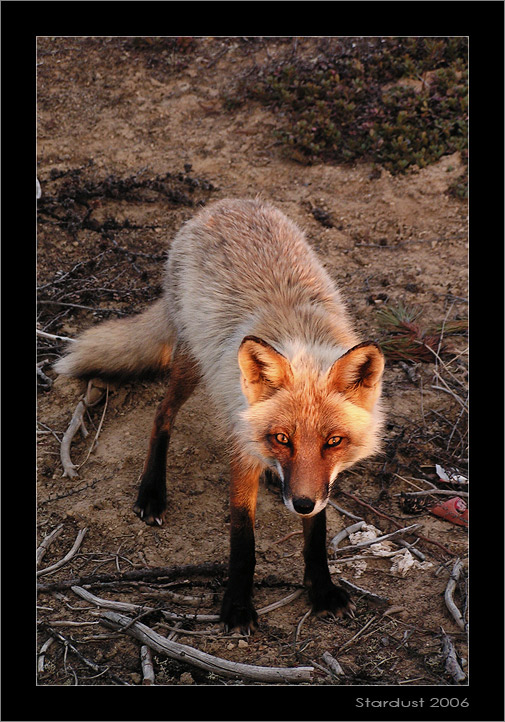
122,348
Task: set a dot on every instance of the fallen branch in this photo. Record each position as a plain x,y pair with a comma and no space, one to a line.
146,662
140,608
94,393
42,654
452,665
48,540
358,634
344,511
135,575
332,664
88,405
364,592
434,492
281,602
379,539
393,521
69,468
345,533
411,549
449,592
190,655
54,337
67,643
67,557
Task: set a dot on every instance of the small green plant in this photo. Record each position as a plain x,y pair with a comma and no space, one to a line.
404,339
399,102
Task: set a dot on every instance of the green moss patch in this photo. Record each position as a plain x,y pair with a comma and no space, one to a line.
398,102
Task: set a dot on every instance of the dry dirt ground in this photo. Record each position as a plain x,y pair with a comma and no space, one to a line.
131,138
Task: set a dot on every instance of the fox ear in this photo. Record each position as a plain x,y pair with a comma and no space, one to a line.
263,369
358,373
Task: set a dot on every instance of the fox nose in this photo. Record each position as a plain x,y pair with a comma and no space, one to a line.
303,505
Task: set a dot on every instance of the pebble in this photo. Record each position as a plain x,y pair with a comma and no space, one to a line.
186,678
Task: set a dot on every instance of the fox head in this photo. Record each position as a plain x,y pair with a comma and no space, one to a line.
309,422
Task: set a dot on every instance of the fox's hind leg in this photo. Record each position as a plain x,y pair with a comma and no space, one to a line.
152,496
325,596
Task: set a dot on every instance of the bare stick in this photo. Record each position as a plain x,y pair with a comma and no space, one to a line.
146,661
393,521
434,492
411,549
140,608
288,536
42,654
447,390
364,592
190,655
47,542
69,646
344,511
184,598
67,557
94,394
68,623
300,623
69,468
449,592
379,539
281,602
333,664
358,634
53,337
136,608
99,425
345,533
452,665
136,575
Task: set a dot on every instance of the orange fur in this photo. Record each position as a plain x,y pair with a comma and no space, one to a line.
248,308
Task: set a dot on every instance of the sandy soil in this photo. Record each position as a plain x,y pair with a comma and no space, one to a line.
115,109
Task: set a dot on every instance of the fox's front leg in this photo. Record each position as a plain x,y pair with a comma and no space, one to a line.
237,610
325,596
152,496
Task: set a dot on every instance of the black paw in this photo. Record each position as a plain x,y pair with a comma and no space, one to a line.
238,616
151,506
333,601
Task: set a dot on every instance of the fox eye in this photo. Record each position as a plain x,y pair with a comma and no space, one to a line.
334,441
282,439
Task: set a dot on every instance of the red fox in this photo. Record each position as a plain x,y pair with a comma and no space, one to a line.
248,309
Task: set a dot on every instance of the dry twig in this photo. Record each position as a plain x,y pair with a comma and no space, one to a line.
332,664
358,634
452,665
379,539
67,643
364,592
94,394
67,557
42,654
146,661
190,655
449,592
345,533
393,521
140,608
434,492
136,575
344,511
48,540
